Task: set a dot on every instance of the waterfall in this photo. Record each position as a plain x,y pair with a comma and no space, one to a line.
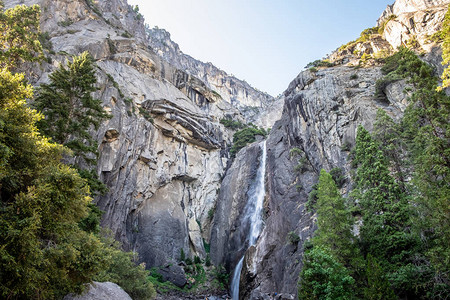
252,217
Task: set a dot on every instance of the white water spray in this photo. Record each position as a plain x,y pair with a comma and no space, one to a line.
252,217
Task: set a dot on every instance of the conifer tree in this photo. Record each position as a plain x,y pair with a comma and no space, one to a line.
334,221
69,108
324,277
386,230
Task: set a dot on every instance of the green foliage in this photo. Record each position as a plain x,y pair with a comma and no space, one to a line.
383,24
245,136
146,115
91,223
320,63
338,176
44,39
312,198
446,50
221,275
334,221
324,277
197,260
127,35
313,70
293,238
229,123
211,213
182,255
19,39
69,108
365,36
44,253
95,9
123,271
354,76
378,287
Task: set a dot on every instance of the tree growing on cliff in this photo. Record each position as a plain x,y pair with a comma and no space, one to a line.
69,108
70,111
19,27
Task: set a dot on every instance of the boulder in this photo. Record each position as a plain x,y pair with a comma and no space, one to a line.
101,291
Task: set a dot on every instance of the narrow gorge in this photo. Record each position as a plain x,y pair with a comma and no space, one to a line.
179,190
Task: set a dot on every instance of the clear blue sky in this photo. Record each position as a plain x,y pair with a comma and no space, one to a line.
265,42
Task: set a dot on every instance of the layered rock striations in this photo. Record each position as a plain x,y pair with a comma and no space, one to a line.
321,113
164,152
237,92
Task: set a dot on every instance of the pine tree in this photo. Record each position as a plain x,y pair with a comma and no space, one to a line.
69,108
385,232
324,277
70,111
378,287
44,254
334,221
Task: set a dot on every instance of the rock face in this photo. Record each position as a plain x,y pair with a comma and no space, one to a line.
101,291
415,20
237,92
163,152
226,233
321,113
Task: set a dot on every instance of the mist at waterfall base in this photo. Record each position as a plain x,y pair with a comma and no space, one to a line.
252,217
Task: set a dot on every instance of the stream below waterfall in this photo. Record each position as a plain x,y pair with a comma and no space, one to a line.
252,217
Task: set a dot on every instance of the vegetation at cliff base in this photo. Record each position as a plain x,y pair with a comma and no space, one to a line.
49,230
399,202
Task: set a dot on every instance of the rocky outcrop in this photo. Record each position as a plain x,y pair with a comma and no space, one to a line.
237,92
101,291
227,234
414,22
163,152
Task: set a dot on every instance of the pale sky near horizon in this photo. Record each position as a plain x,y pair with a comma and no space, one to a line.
265,42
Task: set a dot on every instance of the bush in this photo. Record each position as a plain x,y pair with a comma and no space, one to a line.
245,136
197,260
293,238
228,123
129,276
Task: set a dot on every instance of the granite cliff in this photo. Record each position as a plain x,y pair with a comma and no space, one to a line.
322,109
173,186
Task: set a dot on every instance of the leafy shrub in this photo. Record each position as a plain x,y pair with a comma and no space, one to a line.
354,76
293,238
228,123
245,136
313,70
129,276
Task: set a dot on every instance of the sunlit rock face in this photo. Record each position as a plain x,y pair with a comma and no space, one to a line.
414,20
234,91
164,152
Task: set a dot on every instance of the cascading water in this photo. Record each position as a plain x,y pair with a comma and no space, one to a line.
252,217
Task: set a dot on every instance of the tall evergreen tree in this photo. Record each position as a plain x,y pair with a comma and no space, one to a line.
386,229
334,221
324,277
69,108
